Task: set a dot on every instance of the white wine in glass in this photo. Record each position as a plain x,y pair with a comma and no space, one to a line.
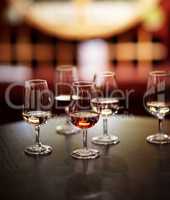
106,103
157,102
37,110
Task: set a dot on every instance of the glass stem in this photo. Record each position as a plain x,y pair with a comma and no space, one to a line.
105,127
37,135
160,125
85,139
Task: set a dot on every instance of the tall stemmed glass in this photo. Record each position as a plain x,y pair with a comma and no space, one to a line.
83,116
37,106
65,76
157,102
106,103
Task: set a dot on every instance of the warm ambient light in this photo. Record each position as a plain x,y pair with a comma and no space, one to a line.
148,51
80,10
100,18
81,3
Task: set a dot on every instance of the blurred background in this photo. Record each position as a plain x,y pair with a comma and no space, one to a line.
131,37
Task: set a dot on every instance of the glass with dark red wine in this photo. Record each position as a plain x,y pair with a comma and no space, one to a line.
83,116
64,77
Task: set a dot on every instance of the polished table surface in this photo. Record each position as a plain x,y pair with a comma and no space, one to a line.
133,169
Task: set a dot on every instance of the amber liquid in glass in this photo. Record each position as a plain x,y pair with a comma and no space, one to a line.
84,119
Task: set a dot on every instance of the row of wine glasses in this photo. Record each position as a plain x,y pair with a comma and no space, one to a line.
106,101
84,102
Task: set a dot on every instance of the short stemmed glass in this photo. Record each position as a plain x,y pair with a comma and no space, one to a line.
37,110
157,102
83,116
64,77
106,103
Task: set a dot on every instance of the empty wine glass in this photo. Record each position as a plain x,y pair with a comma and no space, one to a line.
37,105
157,102
106,103
83,116
65,76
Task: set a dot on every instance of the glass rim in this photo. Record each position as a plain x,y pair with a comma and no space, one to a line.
159,73
83,83
35,81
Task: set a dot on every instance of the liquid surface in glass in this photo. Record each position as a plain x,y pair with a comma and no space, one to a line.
105,106
85,119
158,108
36,117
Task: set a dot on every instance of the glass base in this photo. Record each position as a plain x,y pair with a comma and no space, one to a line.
105,140
35,150
158,138
85,154
66,129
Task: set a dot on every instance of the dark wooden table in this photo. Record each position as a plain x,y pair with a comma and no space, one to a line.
130,170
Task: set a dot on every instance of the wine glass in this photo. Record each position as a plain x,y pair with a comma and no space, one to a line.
83,116
106,103
65,76
37,105
157,102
